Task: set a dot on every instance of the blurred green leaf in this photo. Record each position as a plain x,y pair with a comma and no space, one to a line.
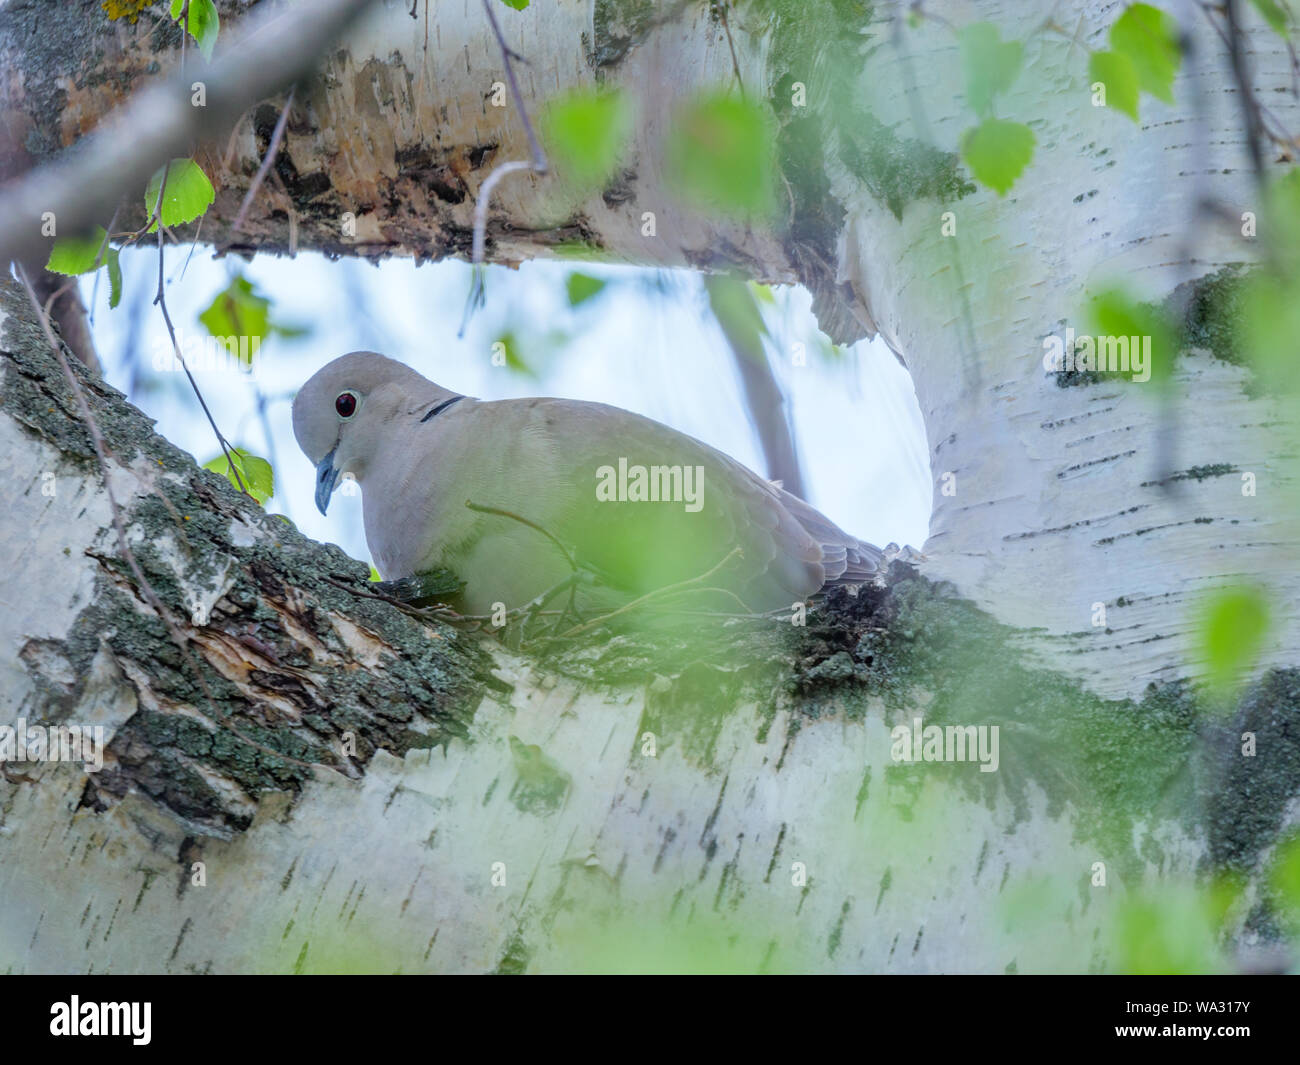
509,350
585,133
991,64
733,304
1270,315
1114,313
763,293
1274,14
1224,892
374,574
239,311
1167,934
720,154
256,472
582,287
517,5
189,193
1119,80
1230,635
112,258
997,152
1149,37
1284,876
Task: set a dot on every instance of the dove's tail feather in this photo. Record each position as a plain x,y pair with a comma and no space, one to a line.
845,558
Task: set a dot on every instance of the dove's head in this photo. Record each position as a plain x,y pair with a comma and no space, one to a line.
344,414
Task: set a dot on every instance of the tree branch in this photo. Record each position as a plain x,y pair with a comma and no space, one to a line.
85,183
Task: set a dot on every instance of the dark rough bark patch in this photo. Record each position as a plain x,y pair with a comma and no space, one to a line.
617,26
46,32
424,691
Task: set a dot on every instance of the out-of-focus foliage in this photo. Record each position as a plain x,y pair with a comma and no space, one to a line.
240,311
585,134
1230,635
720,154
990,63
580,287
1145,55
1114,313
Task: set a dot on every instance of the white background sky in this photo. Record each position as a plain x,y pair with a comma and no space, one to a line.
647,343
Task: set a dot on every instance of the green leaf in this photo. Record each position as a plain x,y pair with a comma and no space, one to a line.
734,306
586,133
238,311
1230,634
1119,81
189,193
517,5
720,151
114,277
762,293
991,64
510,349
374,573
581,287
997,152
1274,14
1270,317
71,256
1149,37
256,472
1284,875
203,23
1166,934
1281,220
1114,313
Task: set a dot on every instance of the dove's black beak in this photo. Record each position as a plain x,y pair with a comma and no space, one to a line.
326,477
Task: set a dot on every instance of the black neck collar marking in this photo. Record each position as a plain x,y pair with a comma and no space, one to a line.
442,407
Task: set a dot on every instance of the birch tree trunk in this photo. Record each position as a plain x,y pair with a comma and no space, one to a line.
447,805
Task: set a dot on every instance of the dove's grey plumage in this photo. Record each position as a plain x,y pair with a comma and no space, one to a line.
420,453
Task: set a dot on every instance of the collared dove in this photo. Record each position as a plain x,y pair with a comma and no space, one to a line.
638,506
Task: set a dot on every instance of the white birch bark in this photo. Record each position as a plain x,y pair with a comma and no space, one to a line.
392,862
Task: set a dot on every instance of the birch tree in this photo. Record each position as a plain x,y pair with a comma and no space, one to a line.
300,776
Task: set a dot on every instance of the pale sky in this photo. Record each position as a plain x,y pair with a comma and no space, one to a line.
647,343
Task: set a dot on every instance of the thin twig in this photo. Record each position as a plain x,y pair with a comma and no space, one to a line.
658,592
1249,106
272,149
721,8
161,301
531,524
537,163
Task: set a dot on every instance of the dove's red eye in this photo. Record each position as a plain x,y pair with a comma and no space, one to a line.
346,405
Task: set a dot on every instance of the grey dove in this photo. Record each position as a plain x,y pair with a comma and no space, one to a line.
638,506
